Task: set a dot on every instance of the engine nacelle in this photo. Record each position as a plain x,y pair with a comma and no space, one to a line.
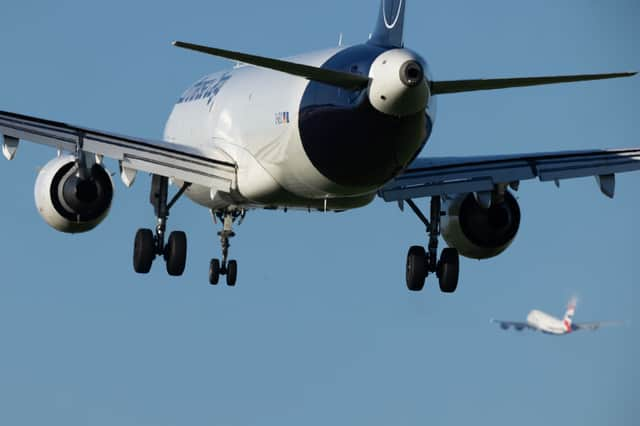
478,232
69,203
399,85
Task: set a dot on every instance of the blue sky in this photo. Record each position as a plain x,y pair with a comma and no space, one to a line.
321,328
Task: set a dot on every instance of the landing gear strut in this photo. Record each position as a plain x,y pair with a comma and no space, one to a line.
420,262
148,244
225,267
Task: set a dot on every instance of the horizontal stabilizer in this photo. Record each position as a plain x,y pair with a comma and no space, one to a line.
334,78
459,86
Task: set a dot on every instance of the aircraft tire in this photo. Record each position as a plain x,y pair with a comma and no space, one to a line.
416,268
448,270
143,251
176,253
214,271
232,273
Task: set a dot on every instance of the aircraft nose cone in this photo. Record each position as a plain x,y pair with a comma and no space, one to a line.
411,73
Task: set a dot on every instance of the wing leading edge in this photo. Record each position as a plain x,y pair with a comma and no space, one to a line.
213,169
427,177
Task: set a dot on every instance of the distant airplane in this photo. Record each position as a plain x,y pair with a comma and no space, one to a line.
541,321
325,131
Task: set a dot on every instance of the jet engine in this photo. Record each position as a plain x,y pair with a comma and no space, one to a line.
477,231
70,201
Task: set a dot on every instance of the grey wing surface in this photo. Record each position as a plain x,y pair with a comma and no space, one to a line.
519,326
427,177
593,326
211,168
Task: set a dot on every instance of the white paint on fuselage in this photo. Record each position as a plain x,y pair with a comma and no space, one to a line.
272,165
546,323
244,120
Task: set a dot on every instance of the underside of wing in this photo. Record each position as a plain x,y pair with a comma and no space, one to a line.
427,177
211,168
593,326
518,326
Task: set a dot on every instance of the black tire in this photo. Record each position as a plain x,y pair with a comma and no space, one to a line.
144,251
214,272
416,268
449,270
176,253
232,273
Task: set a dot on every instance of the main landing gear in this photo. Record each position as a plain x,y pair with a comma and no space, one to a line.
420,262
225,267
148,244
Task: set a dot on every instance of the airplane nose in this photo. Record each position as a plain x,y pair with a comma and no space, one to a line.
411,73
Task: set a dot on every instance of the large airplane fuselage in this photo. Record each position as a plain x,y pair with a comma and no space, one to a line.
299,143
547,323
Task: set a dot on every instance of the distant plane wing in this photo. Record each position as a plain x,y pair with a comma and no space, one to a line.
519,326
593,326
212,168
427,177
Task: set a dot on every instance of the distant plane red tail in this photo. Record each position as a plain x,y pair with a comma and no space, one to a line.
568,316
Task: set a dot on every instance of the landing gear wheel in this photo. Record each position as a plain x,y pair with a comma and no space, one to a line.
416,268
214,272
143,251
176,253
232,273
448,270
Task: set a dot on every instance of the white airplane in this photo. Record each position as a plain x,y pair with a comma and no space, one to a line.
322,131
541,321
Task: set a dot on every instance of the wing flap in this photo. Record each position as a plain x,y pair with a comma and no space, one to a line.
212,168
439,176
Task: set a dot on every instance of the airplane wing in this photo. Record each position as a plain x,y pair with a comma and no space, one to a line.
519,326
593,326
427,177
212,168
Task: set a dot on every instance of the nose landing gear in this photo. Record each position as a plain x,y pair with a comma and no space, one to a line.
225,267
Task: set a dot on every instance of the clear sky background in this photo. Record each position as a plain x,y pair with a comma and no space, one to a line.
321,329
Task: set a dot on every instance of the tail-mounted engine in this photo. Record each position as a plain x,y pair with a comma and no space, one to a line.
70,201
480,230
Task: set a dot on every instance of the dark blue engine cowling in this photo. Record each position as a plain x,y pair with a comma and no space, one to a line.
362,147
